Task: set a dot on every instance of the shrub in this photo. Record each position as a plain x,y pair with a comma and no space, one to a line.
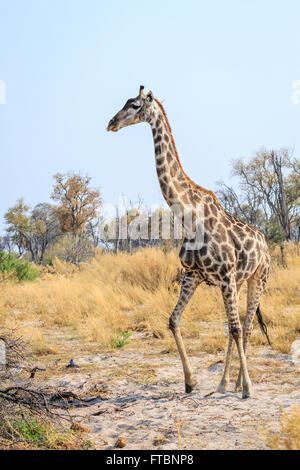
29,432
13,268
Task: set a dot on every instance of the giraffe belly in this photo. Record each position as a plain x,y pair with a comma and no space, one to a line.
192,261
215,264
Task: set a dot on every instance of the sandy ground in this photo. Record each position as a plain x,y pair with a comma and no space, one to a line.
137,393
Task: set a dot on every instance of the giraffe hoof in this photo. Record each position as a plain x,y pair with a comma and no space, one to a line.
238,385
246,394
222,388
189,387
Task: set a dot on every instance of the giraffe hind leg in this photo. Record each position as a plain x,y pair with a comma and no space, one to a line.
255,289
229,291
225,379
222,387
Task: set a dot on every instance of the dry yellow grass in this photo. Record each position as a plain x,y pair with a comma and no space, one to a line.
125,293
288,438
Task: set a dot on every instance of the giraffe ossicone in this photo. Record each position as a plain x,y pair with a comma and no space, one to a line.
231,251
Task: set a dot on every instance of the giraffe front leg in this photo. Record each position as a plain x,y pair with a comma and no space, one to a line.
190,382
189,284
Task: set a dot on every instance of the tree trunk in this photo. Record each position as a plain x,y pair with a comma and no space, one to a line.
283,255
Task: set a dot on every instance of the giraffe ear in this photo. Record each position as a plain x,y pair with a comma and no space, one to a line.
150,96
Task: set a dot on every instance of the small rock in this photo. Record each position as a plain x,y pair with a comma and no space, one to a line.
120,443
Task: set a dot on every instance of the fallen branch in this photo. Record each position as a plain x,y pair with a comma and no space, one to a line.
34,371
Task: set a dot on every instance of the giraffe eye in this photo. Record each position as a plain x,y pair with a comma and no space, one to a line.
135,106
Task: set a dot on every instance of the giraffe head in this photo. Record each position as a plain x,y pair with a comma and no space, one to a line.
134,111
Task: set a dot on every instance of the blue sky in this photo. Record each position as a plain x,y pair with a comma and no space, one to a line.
224,69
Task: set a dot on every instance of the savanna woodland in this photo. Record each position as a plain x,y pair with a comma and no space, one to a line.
71,287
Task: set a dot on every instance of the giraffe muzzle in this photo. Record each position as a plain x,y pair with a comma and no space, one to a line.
112,125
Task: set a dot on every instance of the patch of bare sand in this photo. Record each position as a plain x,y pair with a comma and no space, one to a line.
143,399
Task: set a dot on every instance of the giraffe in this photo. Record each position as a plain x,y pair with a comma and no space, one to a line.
231,251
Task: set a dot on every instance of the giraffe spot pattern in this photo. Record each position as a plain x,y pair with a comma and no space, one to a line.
230,246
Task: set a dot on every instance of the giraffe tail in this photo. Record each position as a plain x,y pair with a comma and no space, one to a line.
262,325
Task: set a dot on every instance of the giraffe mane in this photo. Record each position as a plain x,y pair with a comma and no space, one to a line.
194,185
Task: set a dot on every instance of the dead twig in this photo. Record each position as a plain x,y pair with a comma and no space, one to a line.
34,371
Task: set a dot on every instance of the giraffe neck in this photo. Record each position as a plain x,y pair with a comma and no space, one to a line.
173,182
179,191
176,186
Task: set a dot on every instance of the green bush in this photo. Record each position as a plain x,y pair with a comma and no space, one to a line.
13,268
120,339
27,431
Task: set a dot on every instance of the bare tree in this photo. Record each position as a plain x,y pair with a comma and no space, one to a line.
248,206
272,176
